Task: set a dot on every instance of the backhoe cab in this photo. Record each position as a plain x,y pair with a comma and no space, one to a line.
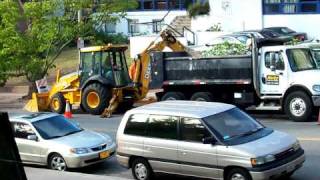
101,70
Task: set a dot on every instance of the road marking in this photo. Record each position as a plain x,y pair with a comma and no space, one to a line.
308,139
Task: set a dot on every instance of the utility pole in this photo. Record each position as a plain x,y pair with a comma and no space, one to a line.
80,42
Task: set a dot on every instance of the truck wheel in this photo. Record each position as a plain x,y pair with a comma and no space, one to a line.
58,103
95,98
298,106
169,96
238,173
202,96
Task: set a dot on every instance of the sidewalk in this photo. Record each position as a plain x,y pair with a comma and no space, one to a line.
45,174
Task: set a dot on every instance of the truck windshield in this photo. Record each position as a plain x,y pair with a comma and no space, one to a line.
316,55
232,123
300,59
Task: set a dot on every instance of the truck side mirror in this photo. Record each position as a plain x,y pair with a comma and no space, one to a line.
273,61
209,140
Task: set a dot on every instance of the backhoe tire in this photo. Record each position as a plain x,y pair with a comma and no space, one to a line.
58,103
202,96
95,98
298,106
169,96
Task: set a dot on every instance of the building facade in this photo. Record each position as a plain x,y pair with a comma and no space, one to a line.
149,17
238,15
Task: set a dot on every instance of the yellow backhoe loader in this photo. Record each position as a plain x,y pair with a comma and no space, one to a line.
102,83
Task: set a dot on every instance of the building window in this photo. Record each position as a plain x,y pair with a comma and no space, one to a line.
133,26
291,6
110,28
160,5
148,4
156,25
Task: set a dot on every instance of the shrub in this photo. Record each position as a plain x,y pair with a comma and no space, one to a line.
199,9
101,38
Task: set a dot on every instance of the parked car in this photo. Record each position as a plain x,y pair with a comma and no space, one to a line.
260,34
230,38
50,139
285,31
203,139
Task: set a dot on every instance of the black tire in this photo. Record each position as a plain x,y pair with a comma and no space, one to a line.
238,172
58,98
57,162
104,95
145,173
301,101
202,96
173,96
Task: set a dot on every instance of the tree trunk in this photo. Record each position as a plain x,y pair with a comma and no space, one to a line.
32,89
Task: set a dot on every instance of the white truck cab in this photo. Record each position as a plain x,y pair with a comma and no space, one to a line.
289,73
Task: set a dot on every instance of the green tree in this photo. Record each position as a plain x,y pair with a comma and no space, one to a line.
33,34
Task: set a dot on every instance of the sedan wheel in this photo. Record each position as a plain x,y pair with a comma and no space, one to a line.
57,163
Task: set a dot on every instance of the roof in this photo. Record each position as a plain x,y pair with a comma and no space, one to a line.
33,117
194,109
109,47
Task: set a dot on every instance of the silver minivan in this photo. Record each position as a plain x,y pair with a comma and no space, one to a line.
202,139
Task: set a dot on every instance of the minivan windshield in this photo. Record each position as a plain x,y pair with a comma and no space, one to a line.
55,127
232,124
300,59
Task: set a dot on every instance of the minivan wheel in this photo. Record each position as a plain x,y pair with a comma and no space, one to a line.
238,174
141,169
56,162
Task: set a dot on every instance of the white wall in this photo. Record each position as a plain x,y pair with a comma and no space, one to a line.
234,15
301,23
146,16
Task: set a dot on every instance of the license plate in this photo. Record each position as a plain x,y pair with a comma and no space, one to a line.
104,154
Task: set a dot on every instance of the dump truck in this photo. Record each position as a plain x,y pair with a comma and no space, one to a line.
273,77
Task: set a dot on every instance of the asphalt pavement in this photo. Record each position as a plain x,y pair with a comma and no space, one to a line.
307,132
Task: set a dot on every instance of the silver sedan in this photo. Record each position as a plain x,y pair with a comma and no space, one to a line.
50,139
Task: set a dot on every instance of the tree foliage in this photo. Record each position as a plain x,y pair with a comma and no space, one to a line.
33,34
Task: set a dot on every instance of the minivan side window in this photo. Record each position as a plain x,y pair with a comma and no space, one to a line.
160,126
193,130
136,125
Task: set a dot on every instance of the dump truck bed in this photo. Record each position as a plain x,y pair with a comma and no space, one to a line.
172,68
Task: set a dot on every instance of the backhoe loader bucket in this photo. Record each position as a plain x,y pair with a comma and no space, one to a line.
39,102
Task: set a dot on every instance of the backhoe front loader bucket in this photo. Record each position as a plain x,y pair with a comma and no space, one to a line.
39,102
